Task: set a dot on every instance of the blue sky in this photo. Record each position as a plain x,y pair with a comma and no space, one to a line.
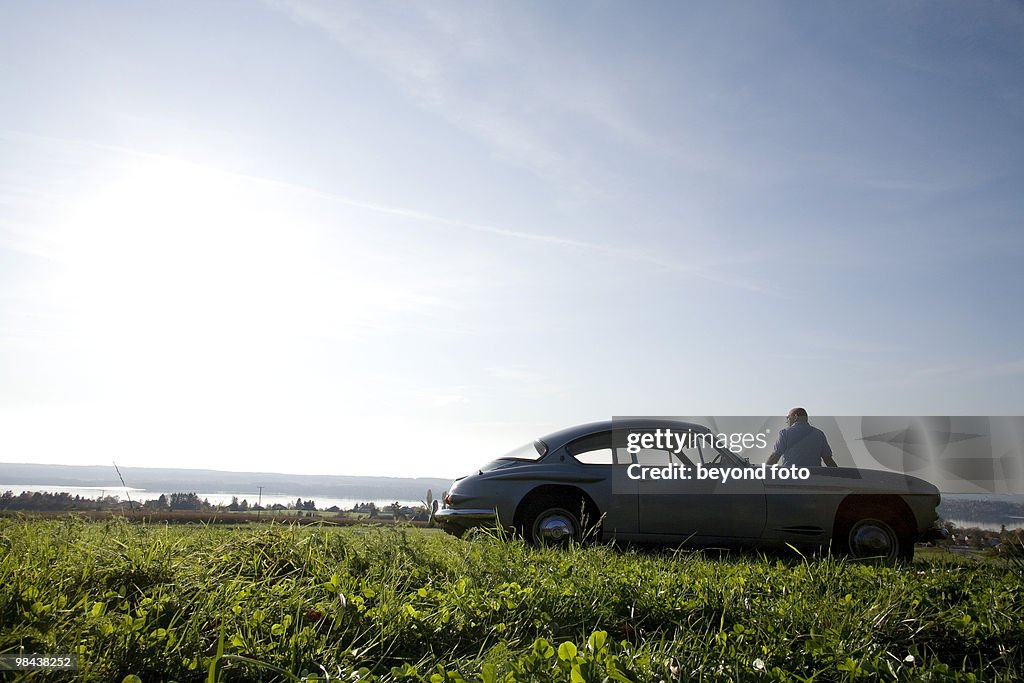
403,238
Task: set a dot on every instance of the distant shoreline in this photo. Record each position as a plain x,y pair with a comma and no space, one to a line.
216,482
215,498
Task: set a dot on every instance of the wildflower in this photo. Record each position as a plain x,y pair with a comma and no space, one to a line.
759,664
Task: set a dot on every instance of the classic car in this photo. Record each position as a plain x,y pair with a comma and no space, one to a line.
602,481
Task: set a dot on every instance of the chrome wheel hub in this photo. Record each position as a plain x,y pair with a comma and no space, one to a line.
556,527
872,539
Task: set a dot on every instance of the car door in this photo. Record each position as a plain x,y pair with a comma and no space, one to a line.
711,508
596,458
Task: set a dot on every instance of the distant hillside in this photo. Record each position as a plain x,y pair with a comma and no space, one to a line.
170,479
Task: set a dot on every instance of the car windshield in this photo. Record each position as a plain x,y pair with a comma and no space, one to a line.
530,452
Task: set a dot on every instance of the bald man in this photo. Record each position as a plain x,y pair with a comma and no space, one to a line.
800,444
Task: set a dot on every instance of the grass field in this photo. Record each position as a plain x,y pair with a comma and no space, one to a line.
272,602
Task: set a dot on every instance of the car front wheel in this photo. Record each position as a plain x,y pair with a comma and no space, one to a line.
873,536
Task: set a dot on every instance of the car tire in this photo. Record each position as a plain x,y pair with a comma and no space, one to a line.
874,533
552,522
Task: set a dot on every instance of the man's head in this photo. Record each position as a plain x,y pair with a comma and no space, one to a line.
796,415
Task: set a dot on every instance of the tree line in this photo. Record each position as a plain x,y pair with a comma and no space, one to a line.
179,501
183,502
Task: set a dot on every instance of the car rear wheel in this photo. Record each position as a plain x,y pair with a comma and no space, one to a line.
873,535
549,522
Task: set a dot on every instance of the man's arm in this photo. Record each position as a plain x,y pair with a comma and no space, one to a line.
778,450
826,455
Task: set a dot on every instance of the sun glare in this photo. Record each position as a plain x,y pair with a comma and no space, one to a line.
205,313
184,272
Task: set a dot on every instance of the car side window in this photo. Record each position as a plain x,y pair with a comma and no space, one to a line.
686,457
665,454
652,456
600,456
656,456
595,449
710,455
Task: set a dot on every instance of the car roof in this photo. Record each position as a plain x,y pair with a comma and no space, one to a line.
564,436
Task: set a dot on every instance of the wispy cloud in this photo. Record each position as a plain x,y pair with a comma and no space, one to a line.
488,69
950,374
711,266
706,265
972,371
845,344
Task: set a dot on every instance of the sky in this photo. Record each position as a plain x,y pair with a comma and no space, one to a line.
393,238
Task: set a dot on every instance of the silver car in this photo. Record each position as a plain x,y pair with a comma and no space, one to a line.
601,480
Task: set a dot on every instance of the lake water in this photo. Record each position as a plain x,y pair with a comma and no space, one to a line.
1010,521
215,497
